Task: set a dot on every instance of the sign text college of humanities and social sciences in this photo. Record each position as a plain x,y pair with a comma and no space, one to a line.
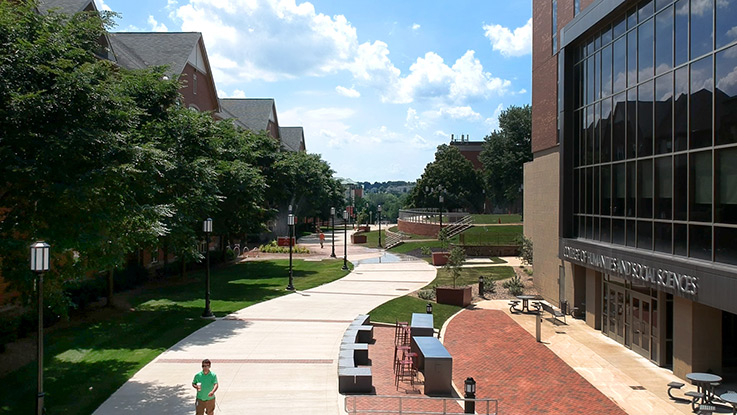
677,283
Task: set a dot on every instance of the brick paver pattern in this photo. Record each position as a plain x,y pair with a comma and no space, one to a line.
508,364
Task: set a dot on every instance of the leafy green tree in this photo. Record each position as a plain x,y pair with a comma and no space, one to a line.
504,153
455,175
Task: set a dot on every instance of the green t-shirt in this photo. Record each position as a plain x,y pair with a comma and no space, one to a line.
208,382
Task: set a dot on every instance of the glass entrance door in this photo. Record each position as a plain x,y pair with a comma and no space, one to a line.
615,305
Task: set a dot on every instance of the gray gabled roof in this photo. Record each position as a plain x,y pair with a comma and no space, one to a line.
253,112
292,138
65,6
145,49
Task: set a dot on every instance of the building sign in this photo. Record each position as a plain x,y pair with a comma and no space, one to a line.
659,278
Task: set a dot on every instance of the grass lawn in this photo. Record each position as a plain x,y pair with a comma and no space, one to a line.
372,238
86,363
489,219
497,260
491,235
401,309
471,275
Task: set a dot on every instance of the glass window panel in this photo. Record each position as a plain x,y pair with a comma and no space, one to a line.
680,182
645,11
725,250
619,27
645,188
604,232
700,187
618,231
726,185
589,194
680,110
606,71
702,27
726,31
577,81
644,234
664,113
664,41
662,237
645,119
632,123
659,4
597,75
619,186
618,128
700,103
590,47
725,102
595,190
663,187
631,18
590,134
576,7
645,50
590,227
581,230
590,74
606,189
577,193
606,130
596,132
680,239
699,242
597,42
631,235
632,58
606,36
631,189
681,32
619,71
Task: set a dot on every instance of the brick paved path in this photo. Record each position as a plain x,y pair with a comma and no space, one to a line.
508,364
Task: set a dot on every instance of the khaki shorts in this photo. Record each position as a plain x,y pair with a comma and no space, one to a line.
203,406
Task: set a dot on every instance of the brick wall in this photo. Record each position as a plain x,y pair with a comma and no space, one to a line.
426,229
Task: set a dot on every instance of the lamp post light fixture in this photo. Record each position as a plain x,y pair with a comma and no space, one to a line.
290,223
379,214
39,265
440,199
332,215
481,285
345,240
470,390
428,308
207,228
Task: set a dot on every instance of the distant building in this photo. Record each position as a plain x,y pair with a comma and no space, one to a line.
471,150
292,139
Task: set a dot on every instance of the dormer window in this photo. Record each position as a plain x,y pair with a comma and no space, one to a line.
194,84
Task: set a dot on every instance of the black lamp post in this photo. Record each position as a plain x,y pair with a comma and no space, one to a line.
440,199
332,215
428,308
345,240
207,228
379,213
290,223
470,389
39,265
481,285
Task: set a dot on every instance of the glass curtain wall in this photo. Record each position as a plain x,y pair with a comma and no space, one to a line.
655,129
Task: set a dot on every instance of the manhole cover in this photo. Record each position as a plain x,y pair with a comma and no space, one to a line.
402,289
561,332
638,388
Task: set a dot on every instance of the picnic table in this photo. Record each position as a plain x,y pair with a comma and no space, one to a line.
436,364
526,301
705,383
730,398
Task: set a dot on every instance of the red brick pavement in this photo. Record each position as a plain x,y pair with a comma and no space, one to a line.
508,364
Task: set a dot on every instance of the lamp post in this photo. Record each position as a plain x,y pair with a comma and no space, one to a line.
332,215
470,389
428,308
345,240
481,285
39,265
440,199
207,228
379,214
290,223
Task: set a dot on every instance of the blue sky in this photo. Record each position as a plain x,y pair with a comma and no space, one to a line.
376,84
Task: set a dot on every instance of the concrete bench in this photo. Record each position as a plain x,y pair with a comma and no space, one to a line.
555,313
361,320
674,385
355,380
359,334
359,357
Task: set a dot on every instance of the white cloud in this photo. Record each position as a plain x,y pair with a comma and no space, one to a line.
324,127
508,42
413,121
237,93
522,91
493,121
347,92
156,26
102,6
416,26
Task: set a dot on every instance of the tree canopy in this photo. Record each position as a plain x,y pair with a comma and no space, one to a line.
504,153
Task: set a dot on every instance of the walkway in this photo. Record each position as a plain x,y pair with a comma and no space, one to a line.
276,357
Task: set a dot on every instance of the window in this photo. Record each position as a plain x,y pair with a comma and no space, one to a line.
555,26
576,7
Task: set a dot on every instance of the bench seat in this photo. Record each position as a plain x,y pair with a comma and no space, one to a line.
674,385
359,357
355,380
555,313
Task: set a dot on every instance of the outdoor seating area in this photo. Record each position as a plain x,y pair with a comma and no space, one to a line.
534,304
354,365
705,398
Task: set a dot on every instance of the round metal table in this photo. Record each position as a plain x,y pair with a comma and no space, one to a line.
703,382
730,398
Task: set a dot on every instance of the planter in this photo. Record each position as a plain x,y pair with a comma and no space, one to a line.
440,258
284,241
358,239
460,296
365,228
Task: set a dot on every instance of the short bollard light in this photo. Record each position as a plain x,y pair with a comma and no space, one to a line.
428,308
481,285
470,389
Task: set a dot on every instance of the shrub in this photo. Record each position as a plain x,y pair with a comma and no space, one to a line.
525,250
455,260
427,294
83,292
489,285
8,330
273,248
425,250
514,285
129,277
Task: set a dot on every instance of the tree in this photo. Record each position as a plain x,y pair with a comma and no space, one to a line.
461,185
504,153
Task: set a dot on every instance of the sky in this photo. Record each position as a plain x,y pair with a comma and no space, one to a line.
376,84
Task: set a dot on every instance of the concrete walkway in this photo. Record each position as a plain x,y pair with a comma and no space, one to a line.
276,357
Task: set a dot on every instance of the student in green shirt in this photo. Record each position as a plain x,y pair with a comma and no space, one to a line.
206,383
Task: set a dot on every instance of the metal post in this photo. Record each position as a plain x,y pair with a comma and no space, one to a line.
290,224
470,389
332,211
379,213
207,313
481,285
345,242
40,397
538,326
